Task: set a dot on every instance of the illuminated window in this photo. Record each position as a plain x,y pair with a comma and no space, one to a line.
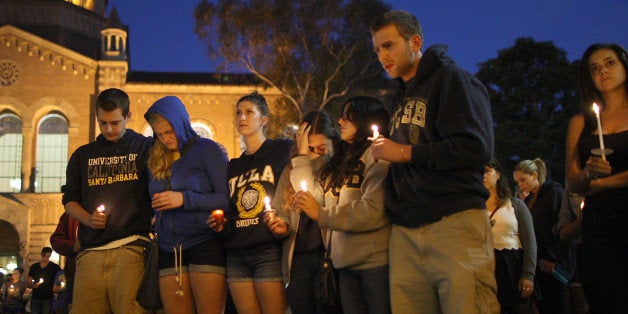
52,153
200,128
10,153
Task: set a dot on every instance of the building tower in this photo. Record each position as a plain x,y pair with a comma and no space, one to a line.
113,65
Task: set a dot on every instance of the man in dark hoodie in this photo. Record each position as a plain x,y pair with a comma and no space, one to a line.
441,138
106,190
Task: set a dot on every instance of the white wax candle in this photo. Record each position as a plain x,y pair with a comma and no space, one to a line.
596,109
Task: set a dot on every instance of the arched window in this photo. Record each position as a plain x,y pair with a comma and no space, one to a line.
52,153
9,247
202,130
10,153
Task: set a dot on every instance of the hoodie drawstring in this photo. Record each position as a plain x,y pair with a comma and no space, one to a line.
178,265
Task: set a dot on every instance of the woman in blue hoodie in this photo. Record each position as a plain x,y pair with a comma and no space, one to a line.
188,179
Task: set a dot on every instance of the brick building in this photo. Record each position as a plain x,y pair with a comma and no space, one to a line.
55,57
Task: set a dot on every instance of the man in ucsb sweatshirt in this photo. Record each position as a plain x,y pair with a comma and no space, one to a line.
441,138
107,192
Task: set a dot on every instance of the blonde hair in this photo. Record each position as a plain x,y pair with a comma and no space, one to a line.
160,158
531,167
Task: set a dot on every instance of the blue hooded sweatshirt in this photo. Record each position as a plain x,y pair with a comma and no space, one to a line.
200,174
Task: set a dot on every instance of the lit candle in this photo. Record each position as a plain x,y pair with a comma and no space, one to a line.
581,205
268,210
596,109
41,280
101,208
62,284
218,215
303,186
375,132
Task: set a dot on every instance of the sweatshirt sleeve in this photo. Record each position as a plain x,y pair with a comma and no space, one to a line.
61,240
366,213
214,165
72,187
527,237
463,134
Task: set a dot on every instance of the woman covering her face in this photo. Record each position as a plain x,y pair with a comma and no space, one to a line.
303,251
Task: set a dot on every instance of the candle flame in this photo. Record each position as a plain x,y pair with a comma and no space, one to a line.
303,186
582,205
596,109
267,203
375,129
100,208
41,280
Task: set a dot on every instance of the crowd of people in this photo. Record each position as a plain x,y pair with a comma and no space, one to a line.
416,218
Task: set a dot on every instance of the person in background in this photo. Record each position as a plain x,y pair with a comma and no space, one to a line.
441,137
544,201
513,240
253,251
41,277
569,229
602,179
64,242
303,251
353,210
188,179
13,293
106,190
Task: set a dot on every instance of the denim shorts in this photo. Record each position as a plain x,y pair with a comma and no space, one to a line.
205,257
256,265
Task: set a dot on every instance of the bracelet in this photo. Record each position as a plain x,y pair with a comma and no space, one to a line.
403,159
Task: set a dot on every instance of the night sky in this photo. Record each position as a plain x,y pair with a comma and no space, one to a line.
162,35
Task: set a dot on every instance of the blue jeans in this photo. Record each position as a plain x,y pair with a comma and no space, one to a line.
41,306
365,291
257,265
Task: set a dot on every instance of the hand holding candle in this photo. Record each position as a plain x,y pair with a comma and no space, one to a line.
218,215
41,280
98,218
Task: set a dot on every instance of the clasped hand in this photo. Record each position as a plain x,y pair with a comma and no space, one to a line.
167,200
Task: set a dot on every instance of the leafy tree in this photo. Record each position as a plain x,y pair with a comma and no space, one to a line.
533,91
315,52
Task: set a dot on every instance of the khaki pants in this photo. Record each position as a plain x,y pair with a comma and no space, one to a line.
444,267
106,281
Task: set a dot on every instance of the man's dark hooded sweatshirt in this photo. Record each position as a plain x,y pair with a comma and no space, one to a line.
200,174
112,174
444,113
